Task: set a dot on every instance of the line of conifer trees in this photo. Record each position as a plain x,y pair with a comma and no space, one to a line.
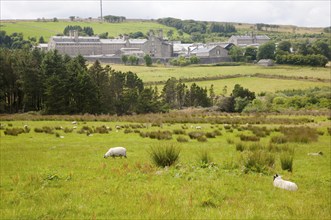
32,80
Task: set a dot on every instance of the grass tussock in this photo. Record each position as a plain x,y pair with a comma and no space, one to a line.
182,139
179,131
14,131
44,129
196,134
163,155
258,161
286,159
300,134
248,138
204,159
159,135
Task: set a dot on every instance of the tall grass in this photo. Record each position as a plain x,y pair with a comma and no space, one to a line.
204,158
286,160
300,134
259,161
164,155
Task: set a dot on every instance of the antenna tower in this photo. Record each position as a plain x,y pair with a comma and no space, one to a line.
101,10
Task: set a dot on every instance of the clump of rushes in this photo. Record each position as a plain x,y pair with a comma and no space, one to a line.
286,160
182,139
259,161
204,159
163,155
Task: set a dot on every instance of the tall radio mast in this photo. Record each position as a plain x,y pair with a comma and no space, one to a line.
101,10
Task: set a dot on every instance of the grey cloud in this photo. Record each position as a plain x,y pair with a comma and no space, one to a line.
301,13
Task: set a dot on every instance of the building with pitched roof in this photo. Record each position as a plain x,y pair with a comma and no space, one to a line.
247,40
74,45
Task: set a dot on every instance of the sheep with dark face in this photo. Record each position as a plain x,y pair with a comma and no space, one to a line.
316,154
284,184
116,152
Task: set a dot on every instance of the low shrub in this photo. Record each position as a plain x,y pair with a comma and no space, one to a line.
210,135
48,130
128,131
14,131
164,155
160,135
85,129
195,134
248,138
202,139
179,131
38,130
68,130
182,139
44,129
101,130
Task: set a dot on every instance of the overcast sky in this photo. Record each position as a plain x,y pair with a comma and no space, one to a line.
315,13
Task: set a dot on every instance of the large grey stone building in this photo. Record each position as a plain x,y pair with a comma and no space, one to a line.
246,40
73,45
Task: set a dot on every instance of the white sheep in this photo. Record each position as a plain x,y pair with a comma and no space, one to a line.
316,154
283,184
116,152
198,127
74,122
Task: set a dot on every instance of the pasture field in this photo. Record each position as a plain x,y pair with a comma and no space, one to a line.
253,77
161,73
48,29
47,177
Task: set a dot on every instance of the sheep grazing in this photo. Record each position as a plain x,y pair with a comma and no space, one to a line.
198,127
316,154
116,152
283,184
74,122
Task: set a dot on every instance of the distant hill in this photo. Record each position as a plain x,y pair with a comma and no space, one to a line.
33,28
48,29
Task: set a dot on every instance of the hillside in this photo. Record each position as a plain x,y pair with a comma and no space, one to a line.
32,28
48,29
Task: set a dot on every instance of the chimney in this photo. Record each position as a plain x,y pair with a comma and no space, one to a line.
76,35
161,33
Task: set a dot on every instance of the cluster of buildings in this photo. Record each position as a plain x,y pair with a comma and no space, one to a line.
155,45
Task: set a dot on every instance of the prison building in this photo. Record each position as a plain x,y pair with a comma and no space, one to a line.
247,40
74,45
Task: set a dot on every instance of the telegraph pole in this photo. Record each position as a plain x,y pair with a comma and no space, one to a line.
101,10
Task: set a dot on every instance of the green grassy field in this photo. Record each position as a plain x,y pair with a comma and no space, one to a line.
159,73
48,29
310,77
258,85
45,177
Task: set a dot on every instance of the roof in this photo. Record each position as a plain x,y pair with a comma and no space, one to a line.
122,41
248,37
67,39
181,47
204,49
